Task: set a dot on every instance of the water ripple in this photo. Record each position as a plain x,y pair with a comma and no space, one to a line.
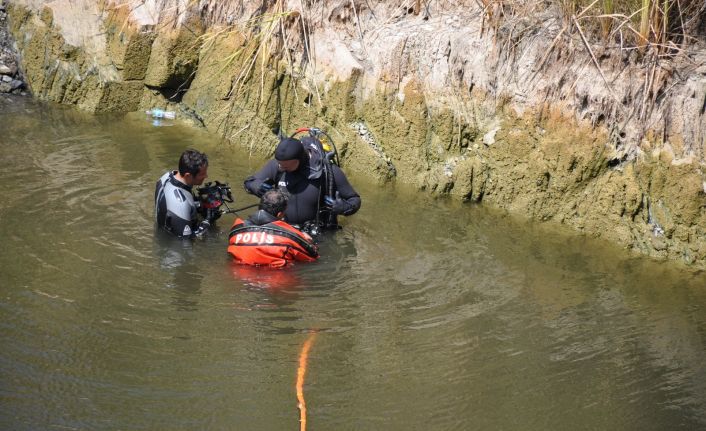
429,313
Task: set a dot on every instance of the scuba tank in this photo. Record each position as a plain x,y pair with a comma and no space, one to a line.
322,142
322,154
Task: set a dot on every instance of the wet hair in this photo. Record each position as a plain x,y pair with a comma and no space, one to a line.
289,149
274,202
191,161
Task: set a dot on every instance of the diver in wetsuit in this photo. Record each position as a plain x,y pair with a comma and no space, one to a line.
318,189
265,239
176,209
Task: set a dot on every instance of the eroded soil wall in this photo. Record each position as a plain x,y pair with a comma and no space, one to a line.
433,101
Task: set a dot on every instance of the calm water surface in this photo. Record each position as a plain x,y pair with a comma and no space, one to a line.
428,314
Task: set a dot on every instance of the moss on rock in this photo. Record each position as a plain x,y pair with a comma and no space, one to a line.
174,56
60,72
129,46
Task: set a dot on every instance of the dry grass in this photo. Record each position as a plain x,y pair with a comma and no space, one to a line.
662,25
647,32
267,37
655,36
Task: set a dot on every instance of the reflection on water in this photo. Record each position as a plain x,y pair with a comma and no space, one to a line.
430,314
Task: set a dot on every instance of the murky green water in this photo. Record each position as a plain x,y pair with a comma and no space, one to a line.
428,314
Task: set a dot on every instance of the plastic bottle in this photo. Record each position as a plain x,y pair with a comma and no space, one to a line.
159,113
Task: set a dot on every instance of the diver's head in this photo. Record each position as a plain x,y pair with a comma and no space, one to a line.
289,154
193,167
274,202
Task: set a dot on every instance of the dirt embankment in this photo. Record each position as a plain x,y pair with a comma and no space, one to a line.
521,112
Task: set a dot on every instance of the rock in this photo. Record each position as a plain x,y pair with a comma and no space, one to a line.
16,83
659,243
489,138
4,70
173,60
5,87
6,78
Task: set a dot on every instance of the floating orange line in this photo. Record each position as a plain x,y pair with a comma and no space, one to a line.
301,372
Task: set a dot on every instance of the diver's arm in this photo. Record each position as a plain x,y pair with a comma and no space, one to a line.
181,216
201,229
347,199
303,254
298,255
179,226
258,183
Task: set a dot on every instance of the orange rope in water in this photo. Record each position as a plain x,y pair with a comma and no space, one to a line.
301,372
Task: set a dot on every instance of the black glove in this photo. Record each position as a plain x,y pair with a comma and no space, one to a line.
264,188
259,187
213,214
202,228
338,205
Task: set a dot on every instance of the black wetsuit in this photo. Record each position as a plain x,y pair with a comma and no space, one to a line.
306,195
